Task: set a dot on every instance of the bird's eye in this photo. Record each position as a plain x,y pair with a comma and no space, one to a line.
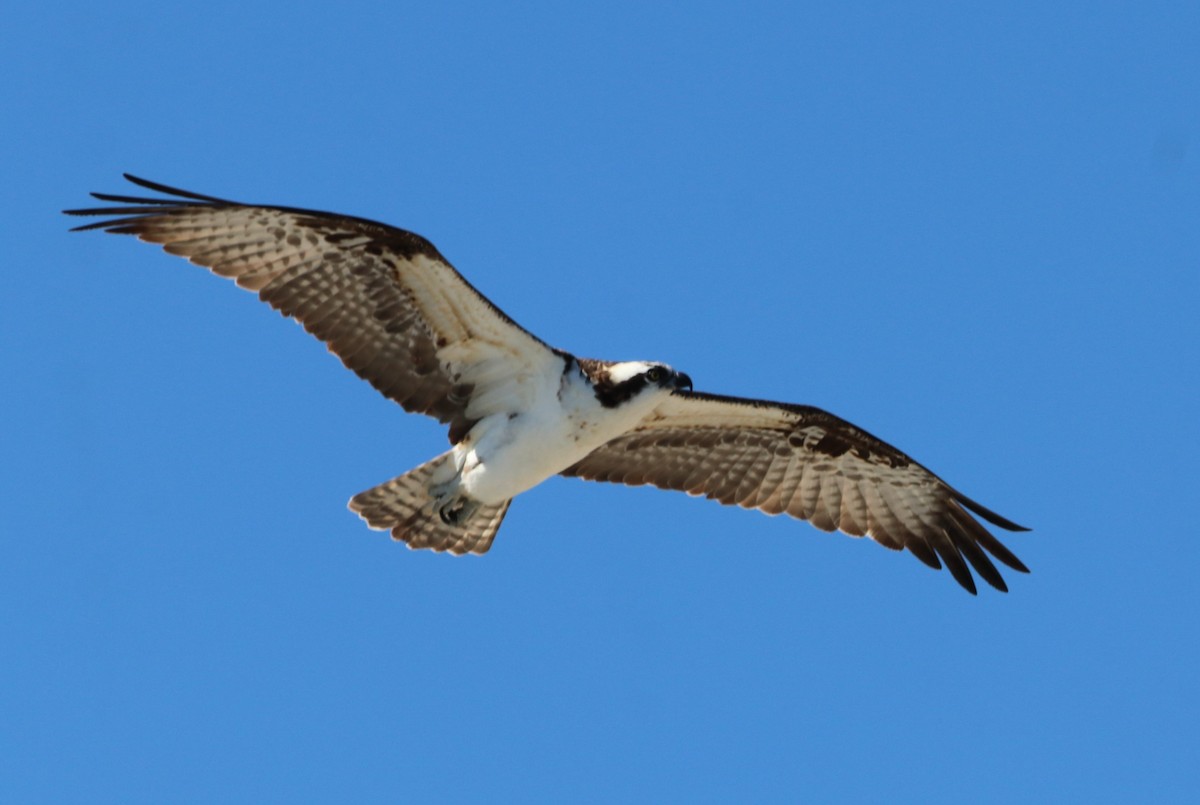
655,374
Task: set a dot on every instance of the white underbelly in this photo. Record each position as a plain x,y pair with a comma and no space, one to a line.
561,422
513,455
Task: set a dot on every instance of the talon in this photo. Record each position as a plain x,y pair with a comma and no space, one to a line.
451,513
458,511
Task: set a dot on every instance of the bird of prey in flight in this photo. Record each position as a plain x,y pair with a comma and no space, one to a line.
519,411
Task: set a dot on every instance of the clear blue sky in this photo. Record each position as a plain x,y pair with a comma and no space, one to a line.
973,229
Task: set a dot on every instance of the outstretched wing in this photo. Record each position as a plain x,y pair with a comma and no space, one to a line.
383,299
800,460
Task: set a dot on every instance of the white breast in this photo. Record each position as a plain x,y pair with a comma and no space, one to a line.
509,452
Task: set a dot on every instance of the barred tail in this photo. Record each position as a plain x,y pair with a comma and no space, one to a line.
405,506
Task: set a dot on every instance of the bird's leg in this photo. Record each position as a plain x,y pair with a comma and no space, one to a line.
451,505
458,511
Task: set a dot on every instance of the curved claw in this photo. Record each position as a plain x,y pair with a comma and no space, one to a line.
458,511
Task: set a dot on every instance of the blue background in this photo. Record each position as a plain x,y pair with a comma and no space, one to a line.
969,228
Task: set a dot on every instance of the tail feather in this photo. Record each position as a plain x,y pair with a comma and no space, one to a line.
404,506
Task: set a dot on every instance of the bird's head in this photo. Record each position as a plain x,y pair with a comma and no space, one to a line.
618,383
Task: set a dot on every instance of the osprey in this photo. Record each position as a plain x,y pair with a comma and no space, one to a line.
519,411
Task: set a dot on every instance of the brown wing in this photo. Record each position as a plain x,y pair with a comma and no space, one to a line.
383,299
788,458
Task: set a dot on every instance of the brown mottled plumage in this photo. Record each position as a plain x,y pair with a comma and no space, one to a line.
802,461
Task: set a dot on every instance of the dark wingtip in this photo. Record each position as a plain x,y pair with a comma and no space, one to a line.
86,227
1018,566
988,514
954,562
172,191
134,207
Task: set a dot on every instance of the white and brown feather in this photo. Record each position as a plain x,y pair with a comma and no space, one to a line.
804,462
383,299
403,507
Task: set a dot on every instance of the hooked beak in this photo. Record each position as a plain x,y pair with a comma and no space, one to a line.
682,382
